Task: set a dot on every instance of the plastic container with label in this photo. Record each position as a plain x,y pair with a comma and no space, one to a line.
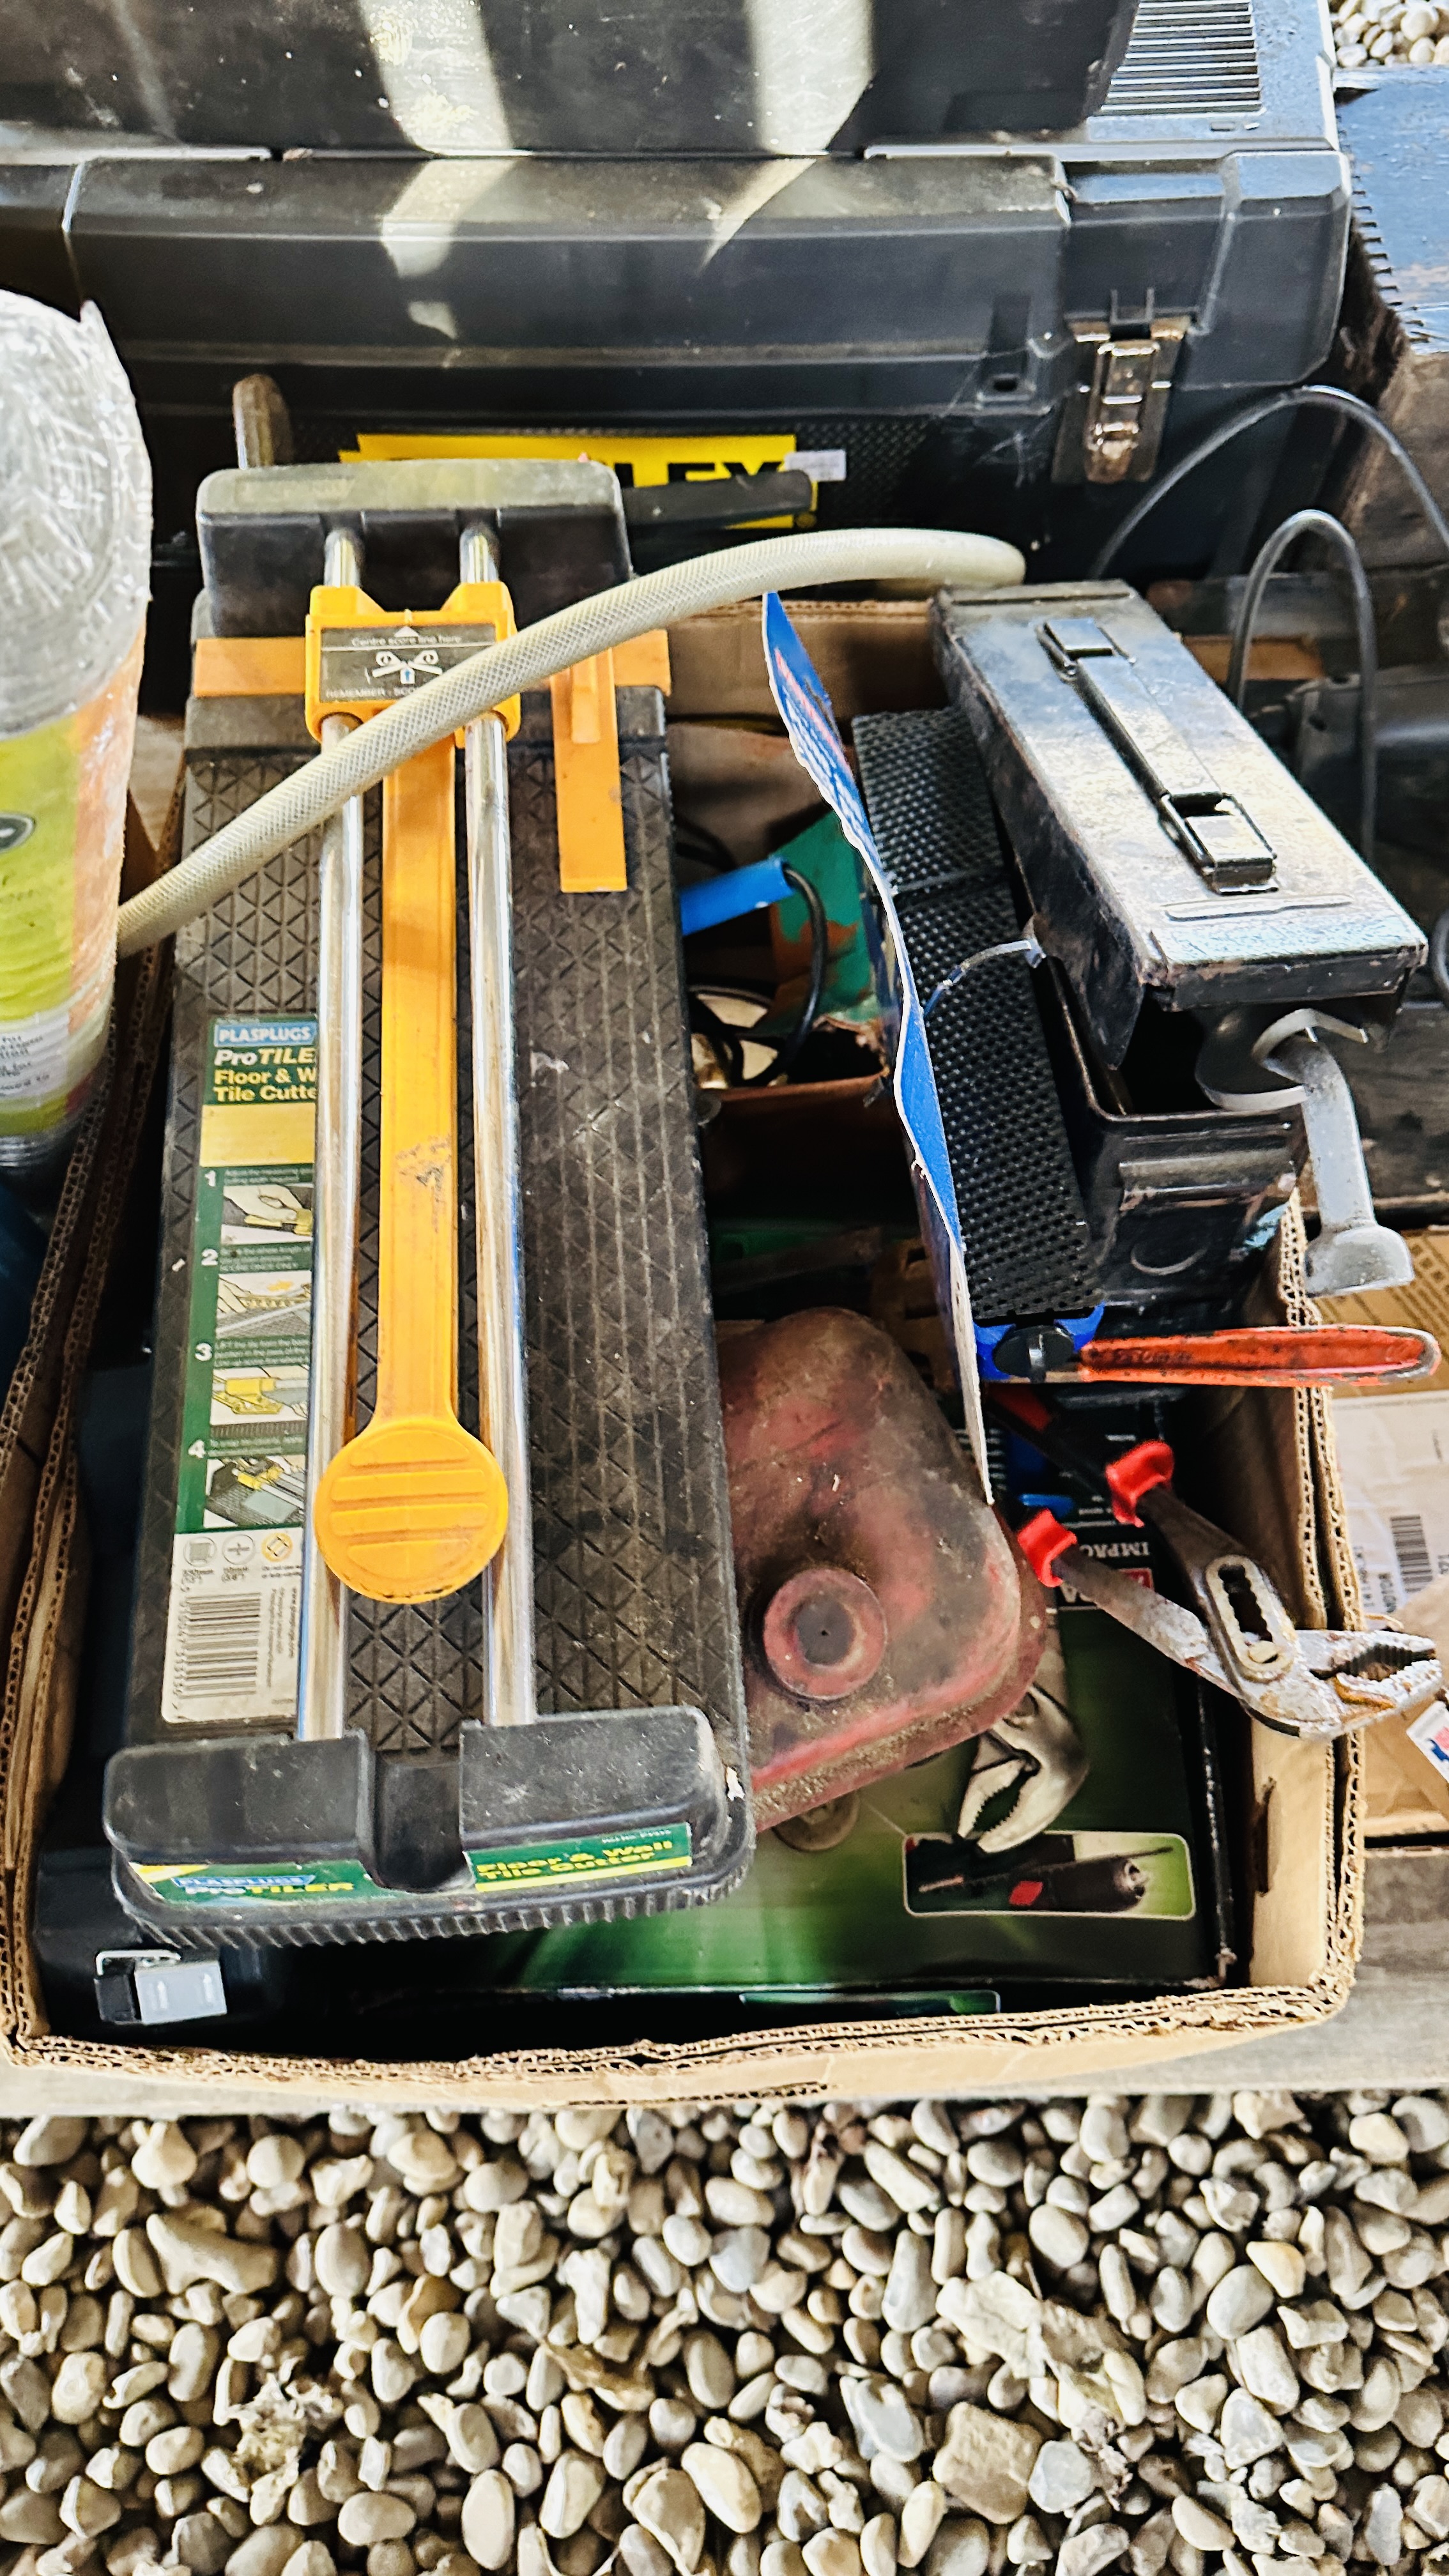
75,542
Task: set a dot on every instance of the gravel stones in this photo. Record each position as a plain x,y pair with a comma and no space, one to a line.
995,2314
488,2520
262,2553
164,2158
739,2258
724,2485
668,2505
574,2487
46,2142
883,2421
960,2548
1246,2430
735,2204
1183,2335
921,2518
1062,2477
986,2462
1240,2301
1200,2528
1059,2237
1086,2553
188,2253
832,2553
1383,2526
1265,2369
365,2519
906,2185
78,2387
909,2299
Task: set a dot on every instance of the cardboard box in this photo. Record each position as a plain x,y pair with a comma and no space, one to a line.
1263,1462
1406,1789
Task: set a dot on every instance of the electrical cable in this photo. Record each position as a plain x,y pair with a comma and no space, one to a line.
696,841
1028,946
300,802
819,961
1297,398
1318,523
728,1040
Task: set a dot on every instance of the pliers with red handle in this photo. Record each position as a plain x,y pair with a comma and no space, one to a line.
1316,1683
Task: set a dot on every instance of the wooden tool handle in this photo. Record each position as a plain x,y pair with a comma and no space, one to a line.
1268,1355
417,1287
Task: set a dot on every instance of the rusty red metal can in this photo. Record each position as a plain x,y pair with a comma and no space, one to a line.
886,1610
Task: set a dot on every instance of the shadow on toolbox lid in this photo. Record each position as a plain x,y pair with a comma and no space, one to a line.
720,75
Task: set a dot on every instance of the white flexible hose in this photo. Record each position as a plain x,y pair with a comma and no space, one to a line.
298,804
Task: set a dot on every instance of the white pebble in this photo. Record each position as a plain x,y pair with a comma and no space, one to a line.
488,2520
1059,2238
878,2546
920,2520
725,2486
365,2519
833,2553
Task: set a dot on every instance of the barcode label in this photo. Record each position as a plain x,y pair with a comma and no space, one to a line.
232,1637
234,1613
1393,1455
1411,1549
219,1643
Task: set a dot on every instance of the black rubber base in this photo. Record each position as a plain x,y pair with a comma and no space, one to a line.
262,1839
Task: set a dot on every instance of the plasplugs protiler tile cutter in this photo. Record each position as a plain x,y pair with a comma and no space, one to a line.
473,1664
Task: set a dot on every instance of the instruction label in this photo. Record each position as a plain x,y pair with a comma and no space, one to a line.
388,661
234,1613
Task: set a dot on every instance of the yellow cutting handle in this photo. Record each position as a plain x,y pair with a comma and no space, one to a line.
415,1507
417,1277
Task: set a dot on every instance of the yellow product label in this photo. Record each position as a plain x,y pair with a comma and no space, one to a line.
62,834
39,800
636,461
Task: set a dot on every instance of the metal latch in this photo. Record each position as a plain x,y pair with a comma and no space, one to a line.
1112,424
1209,826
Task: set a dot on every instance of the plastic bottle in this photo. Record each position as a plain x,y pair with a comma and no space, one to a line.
75,543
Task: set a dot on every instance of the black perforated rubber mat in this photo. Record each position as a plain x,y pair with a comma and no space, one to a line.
1028,1251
